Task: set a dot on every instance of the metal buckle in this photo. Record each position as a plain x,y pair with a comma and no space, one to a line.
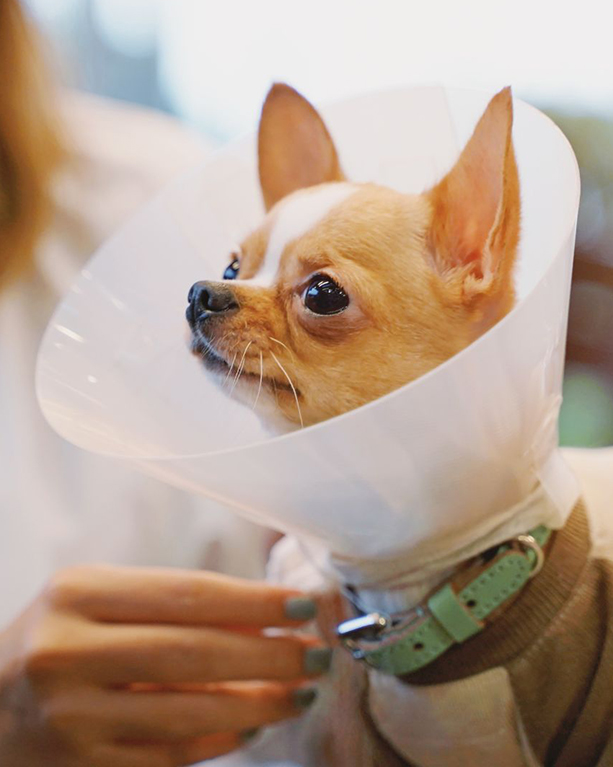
363,627
529,543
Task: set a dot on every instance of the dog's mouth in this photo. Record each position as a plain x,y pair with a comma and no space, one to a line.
215,362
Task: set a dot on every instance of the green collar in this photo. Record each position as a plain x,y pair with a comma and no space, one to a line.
405,642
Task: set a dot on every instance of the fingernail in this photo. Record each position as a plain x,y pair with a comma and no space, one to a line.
304,697
249,735
317,660
300,608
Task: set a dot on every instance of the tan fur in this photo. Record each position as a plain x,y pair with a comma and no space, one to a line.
294,147
426,274
474,245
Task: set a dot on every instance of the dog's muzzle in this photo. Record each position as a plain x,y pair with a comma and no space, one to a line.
209,299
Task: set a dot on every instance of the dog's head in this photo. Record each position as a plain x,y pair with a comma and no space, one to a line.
348,291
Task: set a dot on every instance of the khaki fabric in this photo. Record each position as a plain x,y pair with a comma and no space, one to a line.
556,643
551,652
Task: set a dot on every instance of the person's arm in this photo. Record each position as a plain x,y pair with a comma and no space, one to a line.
149,667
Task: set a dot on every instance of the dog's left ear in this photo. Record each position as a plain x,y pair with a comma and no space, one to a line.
476,209
295,149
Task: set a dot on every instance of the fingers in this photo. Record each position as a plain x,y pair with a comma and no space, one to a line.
205,748
163,754
184,597
121,655
121,755
180,717
165,729
168,755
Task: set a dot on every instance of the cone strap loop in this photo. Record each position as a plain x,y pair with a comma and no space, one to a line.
462,607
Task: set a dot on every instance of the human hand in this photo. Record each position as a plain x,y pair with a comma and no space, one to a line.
135,667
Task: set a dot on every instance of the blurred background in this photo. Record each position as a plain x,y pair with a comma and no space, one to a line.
210,63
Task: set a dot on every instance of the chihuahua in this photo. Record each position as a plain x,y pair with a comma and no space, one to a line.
347,291
340,276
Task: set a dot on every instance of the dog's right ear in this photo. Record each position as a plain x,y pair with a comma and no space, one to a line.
295,149
476,211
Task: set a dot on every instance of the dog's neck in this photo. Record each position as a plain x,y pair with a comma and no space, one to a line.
401,582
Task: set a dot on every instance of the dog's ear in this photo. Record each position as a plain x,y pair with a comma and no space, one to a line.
294,147
476,209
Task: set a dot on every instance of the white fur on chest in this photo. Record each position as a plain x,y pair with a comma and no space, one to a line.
296,217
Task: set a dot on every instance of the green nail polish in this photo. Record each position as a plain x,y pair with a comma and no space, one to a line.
300,608
317,660
304,697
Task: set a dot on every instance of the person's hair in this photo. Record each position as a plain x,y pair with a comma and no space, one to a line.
30,142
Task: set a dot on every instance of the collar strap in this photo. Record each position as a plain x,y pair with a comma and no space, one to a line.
405,642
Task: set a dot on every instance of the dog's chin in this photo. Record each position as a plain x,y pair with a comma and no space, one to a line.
263,394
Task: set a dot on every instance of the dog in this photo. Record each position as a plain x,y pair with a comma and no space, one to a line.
340,275
345,292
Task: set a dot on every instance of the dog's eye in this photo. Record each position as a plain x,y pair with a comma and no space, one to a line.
324,296
231,272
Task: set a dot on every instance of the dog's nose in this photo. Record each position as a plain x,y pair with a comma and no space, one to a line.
209,298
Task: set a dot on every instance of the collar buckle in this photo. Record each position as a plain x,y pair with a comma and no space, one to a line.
368,627
529,544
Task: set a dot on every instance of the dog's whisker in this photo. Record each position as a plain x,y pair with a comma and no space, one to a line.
239,371
276,340
241,366
291,383
274,388
202,347
230,369
257,396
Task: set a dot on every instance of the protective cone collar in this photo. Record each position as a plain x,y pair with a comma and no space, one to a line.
431,461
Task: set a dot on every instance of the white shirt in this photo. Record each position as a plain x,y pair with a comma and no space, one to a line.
58,504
